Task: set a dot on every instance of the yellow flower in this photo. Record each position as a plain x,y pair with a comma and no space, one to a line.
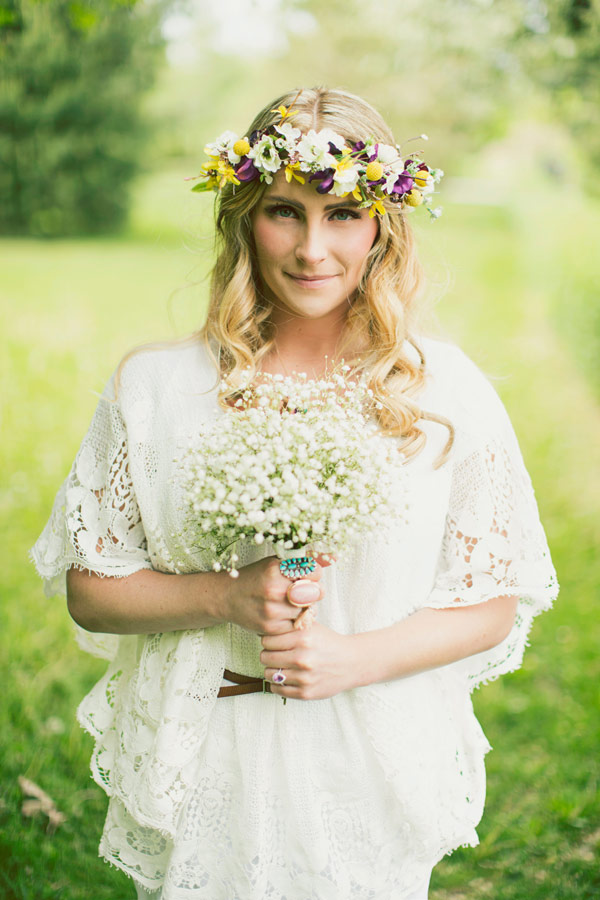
225,173
344,164
374,171
290,172
421,178
376,207
241,147
414,197
284,111
211,165
357,194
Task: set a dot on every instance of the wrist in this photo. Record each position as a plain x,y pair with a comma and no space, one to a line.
376,656
211,597
360,656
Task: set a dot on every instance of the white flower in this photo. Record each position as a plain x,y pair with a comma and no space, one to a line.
265,156
370,146
260,474
390,181
386,154
313,149
222,143
289,136
345,180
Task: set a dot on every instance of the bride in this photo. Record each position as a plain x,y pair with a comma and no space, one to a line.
373,770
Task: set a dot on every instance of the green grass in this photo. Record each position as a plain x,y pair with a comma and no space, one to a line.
70,309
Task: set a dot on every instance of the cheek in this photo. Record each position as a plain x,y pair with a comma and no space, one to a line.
357,247
270,243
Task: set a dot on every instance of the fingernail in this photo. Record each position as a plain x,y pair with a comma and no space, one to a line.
304,593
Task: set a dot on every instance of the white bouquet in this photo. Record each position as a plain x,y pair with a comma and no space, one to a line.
297,463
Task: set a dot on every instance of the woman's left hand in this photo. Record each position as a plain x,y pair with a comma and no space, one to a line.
317,662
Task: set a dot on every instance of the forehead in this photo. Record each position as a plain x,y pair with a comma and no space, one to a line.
304,194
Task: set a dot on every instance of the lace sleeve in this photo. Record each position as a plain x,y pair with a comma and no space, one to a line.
494,543
95,522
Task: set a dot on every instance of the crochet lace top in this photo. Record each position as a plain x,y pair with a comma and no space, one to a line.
355,796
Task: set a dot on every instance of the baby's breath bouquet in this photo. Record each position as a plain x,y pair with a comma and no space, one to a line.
294,462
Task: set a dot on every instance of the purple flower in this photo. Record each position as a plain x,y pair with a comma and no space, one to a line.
421,165
325,177
403,184
356,151
246,170
374,155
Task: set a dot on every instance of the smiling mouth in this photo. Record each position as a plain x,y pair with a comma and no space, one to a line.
310,279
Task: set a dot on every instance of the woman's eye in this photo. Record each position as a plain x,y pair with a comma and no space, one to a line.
342,215
281,212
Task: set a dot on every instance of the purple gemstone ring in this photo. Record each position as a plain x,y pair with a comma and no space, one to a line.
278,677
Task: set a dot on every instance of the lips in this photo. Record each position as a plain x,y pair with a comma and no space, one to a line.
310,278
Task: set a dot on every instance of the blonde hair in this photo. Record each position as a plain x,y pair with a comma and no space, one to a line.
382,317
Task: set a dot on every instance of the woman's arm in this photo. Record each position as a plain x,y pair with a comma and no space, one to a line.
148,602
320,662
431,638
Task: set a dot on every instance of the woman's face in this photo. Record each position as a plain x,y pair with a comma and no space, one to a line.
311,248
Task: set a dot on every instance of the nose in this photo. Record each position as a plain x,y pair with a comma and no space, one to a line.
311,248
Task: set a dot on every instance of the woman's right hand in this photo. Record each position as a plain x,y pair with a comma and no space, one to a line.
257,599
148,602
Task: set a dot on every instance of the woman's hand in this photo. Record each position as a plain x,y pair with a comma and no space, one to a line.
258,599
320,663
317,663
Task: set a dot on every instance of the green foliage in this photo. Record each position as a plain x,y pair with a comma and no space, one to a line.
461,70
429,66
71,130
563,58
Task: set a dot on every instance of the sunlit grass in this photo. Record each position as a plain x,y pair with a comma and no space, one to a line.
71,309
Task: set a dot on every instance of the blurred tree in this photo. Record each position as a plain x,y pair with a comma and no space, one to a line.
71,130
560,49
467,68
420,61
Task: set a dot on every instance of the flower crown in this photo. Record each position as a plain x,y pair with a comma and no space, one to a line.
368,170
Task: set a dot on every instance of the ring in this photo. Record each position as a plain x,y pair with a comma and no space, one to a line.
304,603
278,677
297,567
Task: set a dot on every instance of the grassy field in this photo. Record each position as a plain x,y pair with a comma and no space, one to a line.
517,303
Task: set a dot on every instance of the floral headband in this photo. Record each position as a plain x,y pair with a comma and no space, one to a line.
368,170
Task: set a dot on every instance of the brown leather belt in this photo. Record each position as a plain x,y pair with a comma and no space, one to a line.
244,684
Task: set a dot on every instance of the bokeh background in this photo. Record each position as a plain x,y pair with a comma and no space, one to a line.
105,106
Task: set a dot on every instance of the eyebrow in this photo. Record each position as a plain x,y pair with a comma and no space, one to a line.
277,198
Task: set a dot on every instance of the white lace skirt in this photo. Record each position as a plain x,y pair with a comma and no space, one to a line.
421,893
275,813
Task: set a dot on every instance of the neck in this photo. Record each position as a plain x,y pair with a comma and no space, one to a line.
306,345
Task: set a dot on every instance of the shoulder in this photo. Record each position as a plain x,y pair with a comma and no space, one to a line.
444,360
460,390
155,370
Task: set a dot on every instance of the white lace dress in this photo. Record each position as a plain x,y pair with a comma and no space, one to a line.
349,798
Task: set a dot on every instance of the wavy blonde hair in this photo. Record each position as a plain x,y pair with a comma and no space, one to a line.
382,317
